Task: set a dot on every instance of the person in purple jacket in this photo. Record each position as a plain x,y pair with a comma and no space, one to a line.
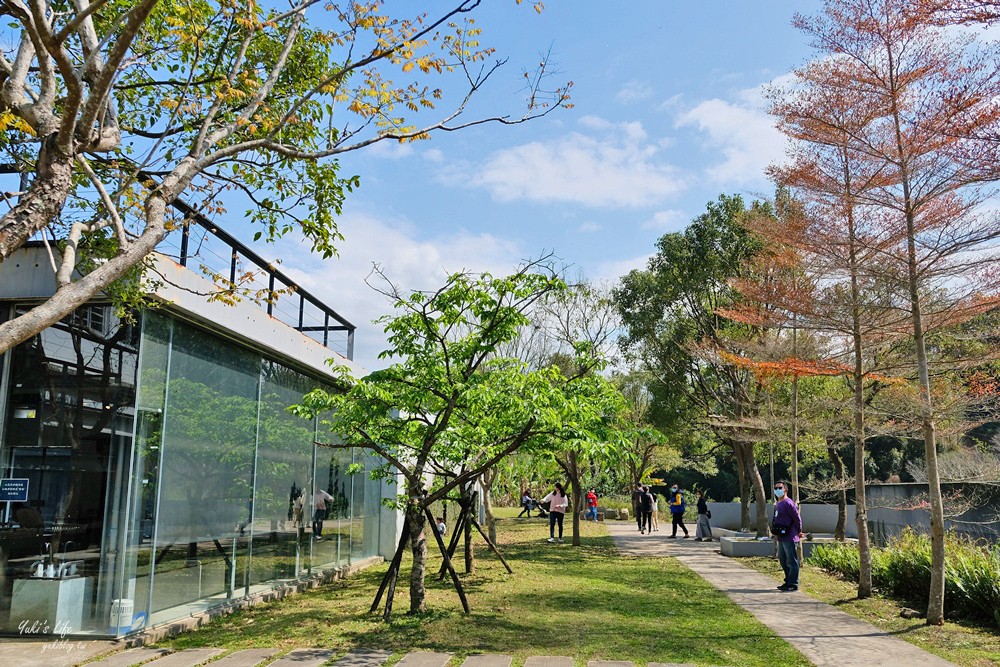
787,529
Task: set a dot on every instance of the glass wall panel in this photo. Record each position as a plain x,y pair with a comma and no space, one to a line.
137,578
365,507
163,478
282,525
67,432
206,472
332,476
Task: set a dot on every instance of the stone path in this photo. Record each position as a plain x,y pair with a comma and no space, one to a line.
312,657
824,635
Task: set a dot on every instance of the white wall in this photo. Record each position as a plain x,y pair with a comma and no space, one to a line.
815,518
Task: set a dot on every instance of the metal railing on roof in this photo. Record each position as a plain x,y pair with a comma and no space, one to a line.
284,299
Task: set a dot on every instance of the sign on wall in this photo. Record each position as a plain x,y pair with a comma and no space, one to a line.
13,490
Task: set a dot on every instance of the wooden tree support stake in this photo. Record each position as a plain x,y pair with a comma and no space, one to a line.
453,543
493,547
393,571
447,561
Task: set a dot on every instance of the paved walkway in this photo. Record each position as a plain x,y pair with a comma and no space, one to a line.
306,657
824,635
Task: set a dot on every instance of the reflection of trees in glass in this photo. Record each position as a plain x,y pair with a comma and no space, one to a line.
208,452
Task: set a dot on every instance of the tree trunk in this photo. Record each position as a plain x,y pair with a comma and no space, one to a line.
840,532
486,482
43,202
470,549
418,549
935,596
753,474
741,474
574,481
860,499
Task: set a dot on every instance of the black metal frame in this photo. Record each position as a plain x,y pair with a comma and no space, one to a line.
192,216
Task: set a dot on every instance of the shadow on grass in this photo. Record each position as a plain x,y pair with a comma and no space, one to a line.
586,601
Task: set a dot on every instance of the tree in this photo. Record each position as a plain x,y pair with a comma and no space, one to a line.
449,407
579,325
646,450
933,94
132,104
673,326
838,238
959,12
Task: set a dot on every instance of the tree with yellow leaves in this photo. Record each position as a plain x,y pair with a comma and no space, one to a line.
113,109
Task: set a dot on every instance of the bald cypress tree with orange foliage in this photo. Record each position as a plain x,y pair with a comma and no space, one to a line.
959,12
921,138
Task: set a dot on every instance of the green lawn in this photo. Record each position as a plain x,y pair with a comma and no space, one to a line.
966,645
585,602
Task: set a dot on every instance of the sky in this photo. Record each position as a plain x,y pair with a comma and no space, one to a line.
668,113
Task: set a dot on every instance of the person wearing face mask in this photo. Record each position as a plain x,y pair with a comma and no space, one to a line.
787,529
677,511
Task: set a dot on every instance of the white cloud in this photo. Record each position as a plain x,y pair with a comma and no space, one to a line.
596,123
434,155
409,261
390,149
670,220
589,228
745,137
672,103
616,167
634,91
612,271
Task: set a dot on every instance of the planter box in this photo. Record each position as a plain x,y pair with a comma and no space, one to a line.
747,547
725,532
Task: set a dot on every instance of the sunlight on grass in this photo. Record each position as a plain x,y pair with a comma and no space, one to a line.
585,602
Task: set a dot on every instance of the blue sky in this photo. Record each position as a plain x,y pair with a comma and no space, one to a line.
668,114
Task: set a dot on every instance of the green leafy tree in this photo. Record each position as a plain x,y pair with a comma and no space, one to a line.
675,329
448,408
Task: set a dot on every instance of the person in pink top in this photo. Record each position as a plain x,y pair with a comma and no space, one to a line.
558,502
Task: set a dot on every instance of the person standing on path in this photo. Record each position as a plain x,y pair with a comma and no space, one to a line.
592,504
645,511
677,508
558,502
787,529
703,531
636,500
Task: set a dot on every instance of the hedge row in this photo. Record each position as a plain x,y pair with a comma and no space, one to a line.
902,570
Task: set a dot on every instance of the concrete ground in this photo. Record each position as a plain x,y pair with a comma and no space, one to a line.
824,635
36,653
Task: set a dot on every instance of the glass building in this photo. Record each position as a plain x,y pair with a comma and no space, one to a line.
152,469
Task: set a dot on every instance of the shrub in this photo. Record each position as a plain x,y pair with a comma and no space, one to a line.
902,570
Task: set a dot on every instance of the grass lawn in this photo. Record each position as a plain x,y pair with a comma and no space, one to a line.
968,645
586,602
